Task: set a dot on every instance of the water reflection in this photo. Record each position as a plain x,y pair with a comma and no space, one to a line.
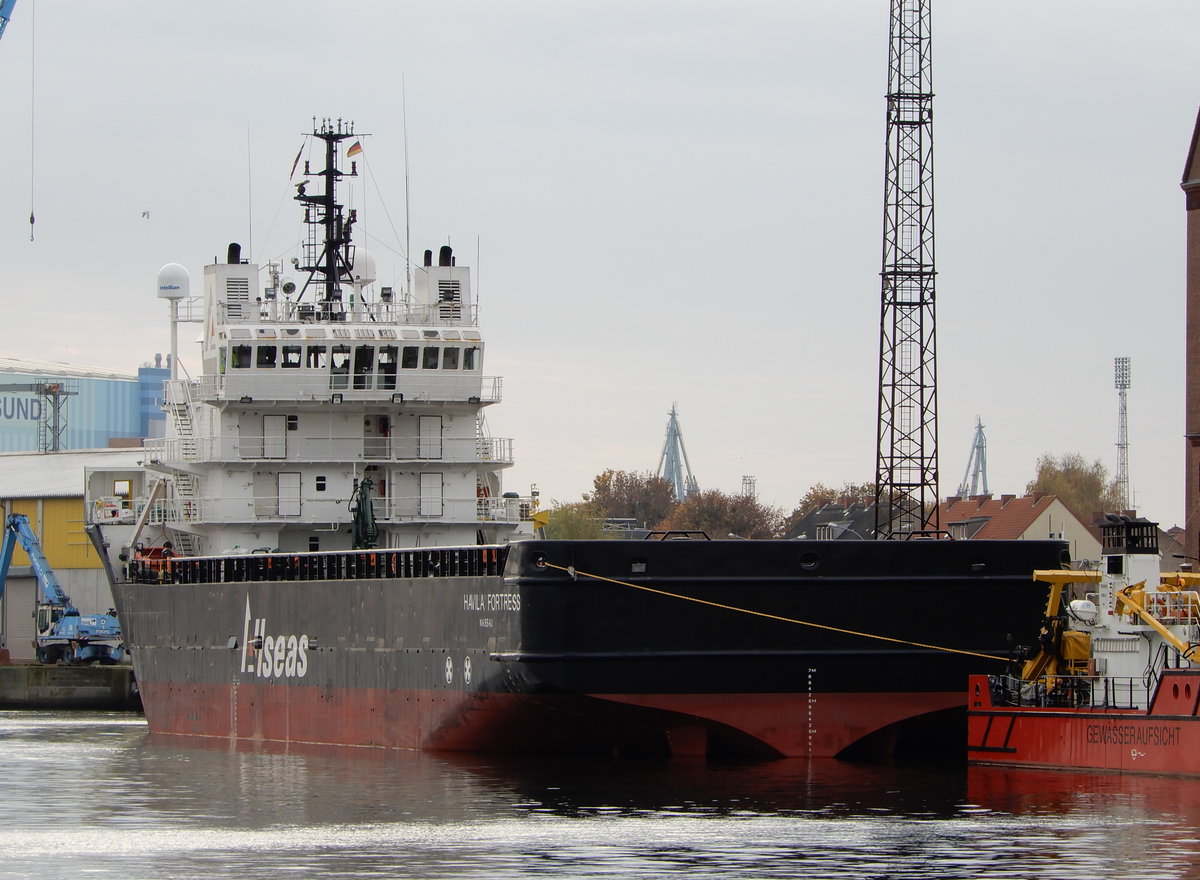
148,807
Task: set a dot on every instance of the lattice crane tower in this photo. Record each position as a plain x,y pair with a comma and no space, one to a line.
906,469
1122,383
673,464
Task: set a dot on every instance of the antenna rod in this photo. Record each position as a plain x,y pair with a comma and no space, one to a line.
407,236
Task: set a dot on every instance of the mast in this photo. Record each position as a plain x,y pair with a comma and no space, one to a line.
906,465
328,254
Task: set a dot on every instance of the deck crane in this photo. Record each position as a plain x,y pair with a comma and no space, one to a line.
62,633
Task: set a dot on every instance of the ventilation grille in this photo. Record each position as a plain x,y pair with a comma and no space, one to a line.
237,298
449,300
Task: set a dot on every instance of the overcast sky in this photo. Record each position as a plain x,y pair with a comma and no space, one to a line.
665,202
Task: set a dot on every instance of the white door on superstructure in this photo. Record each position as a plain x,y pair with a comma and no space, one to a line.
431,436
274,436
431,494
289,494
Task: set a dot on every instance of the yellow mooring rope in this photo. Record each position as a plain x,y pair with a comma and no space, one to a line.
573,572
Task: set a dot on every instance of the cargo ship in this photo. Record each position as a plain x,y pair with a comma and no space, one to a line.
322,551
1114,684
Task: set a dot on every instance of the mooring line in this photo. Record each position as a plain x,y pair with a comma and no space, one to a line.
574,572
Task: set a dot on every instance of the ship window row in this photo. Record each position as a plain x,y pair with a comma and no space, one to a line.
365,362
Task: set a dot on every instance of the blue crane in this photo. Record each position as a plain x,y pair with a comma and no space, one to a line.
6,8
62,633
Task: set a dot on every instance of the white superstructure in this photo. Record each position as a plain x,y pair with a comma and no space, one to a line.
308,392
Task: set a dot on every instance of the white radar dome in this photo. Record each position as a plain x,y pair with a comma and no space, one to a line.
362,267
173,281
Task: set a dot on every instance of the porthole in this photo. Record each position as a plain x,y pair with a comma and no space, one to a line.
810,561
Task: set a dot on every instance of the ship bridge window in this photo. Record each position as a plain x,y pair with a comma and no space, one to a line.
409,358
364,366
471,358
387,367
450,357
429,358
291,357
316,358
239,357
339,366
266,356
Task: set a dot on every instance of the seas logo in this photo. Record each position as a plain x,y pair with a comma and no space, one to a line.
272,655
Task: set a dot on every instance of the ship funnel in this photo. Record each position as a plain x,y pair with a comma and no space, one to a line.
446,256
235,253
428,258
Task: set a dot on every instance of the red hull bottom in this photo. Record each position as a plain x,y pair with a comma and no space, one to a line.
1162,740
763,725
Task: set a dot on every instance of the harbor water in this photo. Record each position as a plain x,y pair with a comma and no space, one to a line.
94,795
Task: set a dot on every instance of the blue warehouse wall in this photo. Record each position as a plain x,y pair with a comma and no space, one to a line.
103,408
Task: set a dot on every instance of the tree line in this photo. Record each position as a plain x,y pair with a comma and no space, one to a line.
641,499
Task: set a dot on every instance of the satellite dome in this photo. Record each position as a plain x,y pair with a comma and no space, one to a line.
362,267
173,281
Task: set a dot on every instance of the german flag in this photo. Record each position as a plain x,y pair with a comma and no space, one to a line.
355,149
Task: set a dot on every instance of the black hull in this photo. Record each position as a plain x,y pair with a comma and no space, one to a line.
533,658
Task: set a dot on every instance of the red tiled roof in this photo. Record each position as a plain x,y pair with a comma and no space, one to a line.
1007,517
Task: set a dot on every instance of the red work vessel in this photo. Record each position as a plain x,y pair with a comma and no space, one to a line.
1113,685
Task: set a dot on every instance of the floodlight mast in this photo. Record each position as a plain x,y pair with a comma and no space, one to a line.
1122,384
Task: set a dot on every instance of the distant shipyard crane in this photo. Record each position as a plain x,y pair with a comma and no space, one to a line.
673,465
1122,383
906,464
975,478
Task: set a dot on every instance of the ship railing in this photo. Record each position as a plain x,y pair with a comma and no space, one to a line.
1097,693
282,312
264,565
388,509
291,446
302,386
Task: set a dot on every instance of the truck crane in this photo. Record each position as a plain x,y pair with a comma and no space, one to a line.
62,633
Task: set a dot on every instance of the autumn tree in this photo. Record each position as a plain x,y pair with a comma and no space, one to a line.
1082,487
580,519
722,515
642,497
820,495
